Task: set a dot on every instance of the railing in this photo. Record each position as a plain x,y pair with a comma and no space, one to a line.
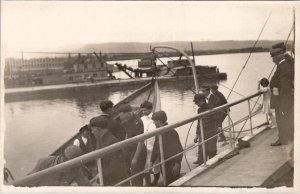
98,154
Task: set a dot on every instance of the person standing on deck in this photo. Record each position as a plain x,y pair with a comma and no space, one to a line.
209,130
135,154
62,178
149,126
282,99
113,164
264,82
171,146
114,125
221,115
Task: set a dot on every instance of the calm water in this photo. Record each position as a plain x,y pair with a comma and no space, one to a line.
34,128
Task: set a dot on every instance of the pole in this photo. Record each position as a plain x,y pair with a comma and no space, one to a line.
100,172
250,118
230,132
162,158
202,141
193,52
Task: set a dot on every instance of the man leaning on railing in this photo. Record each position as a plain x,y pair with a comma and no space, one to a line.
171,146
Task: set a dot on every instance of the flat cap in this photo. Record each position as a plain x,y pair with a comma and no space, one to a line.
100,121
199,97
160,115
125,108
72,152
279,45
276,51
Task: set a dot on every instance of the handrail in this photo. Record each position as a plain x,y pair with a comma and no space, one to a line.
120,145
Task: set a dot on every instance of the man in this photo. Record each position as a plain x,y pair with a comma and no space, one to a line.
282,99
221,115
114,127
113,164
85,140
171,146
135,154
209,130
147,107
63,178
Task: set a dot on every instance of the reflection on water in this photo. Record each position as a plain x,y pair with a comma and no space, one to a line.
37,126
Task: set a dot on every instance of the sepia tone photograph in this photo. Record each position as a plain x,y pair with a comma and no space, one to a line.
163,94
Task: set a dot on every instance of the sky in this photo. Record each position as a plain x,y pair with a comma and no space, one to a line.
42,25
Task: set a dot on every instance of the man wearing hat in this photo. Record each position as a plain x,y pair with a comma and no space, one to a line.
282,99
135,154
209,130
113,164
282,46
63,178
221,115
171,146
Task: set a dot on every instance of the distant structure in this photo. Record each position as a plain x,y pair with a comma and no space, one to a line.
46,71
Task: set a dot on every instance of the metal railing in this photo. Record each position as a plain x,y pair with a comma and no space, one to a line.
98,154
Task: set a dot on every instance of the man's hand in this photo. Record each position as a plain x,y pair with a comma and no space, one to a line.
196,139
134,162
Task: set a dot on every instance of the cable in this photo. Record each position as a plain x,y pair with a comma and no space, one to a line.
186,143
249,56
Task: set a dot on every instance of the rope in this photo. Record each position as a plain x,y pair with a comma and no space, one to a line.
186,143
249,56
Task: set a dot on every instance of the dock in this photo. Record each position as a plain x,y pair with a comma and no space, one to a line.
260,165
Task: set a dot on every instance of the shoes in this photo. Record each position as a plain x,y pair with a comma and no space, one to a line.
196,162
276,143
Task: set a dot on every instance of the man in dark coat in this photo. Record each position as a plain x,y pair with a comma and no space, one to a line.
221,115
63,178
282,99
113,164
135,154
171,146
114,125
209,130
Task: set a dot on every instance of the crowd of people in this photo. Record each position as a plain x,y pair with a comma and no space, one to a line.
109,128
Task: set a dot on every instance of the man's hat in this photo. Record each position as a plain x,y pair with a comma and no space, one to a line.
276,51
160,115
100,121
199,97
280,45
72,152
125,108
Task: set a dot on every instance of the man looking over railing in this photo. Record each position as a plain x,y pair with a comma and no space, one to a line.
171,146
62,178
135,155
209,130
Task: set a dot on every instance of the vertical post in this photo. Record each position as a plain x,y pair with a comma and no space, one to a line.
230,132
162,158
100,172
202,141
193,52
250,118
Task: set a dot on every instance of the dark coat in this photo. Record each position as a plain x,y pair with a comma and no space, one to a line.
209,122
220,100
63,178
283,79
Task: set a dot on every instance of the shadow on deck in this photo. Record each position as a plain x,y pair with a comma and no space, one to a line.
260,165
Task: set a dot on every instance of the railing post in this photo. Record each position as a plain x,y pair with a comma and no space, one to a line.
230,132
100,172
162,158
202,141
250,118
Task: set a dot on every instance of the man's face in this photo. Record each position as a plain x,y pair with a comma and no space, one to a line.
277,58
199,103
206,92
146,111
109,110
157,123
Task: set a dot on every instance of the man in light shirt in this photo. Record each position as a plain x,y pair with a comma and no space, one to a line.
147,107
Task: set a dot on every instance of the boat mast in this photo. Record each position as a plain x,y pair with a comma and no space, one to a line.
189,60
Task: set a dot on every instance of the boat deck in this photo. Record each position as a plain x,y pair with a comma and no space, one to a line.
252,167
